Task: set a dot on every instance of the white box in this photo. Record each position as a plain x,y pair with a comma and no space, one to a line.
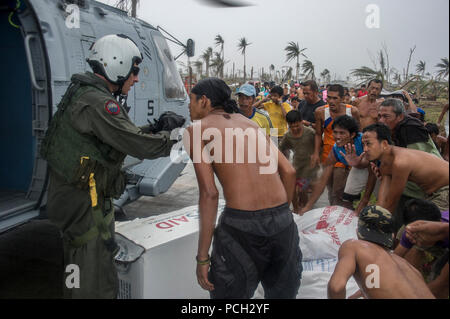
157,256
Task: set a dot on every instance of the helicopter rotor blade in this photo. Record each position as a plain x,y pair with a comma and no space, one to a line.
226,3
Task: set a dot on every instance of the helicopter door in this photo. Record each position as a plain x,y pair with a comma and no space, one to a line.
24,119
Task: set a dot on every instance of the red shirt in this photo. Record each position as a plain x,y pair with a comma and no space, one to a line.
362,93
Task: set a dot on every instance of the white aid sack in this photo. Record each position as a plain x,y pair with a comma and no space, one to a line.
322,232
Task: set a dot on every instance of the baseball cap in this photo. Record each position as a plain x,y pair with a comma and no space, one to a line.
247,90
421,111
376,225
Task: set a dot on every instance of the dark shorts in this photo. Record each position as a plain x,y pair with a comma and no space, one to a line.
253,247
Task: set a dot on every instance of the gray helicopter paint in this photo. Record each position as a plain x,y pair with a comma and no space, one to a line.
66,50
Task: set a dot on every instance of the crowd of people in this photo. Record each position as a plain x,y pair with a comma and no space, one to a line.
352,141
376,155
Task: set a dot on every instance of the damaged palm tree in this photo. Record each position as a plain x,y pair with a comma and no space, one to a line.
218,63
242,47
293,51
207,56
443,68
308,69
129,6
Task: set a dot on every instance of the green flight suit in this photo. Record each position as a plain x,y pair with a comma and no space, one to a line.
96,114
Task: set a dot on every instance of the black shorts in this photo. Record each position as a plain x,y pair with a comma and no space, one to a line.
253,247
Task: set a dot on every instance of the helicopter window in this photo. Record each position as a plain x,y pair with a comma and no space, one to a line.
173,85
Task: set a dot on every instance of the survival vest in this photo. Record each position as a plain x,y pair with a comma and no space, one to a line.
75,156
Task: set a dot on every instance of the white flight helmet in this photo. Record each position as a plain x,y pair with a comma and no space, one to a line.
113,56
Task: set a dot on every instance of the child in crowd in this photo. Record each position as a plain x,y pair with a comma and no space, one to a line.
300,139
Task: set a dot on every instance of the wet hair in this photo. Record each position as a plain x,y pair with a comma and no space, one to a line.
277,90
432,128
312,85
397,106
346,122
294,116
376,81
218,92
383,132
420,209
337,88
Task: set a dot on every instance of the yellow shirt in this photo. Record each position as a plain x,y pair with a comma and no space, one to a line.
277,117
262,120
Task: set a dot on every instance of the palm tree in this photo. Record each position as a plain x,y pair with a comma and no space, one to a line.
206,56
420,67
218,63
293,51
443,66
308,69
128,5
287,74
220,41
366,74
242,46
199,68
326,75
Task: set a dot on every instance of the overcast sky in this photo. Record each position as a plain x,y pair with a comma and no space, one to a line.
333,31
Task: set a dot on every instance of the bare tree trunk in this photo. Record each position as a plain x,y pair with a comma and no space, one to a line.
418,93
411,52
388,74
234,79
245,71
133,8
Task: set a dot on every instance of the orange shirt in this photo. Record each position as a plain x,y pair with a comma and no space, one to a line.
328,140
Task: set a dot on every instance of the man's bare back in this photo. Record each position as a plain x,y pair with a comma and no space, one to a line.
397,278
368,110
426,170
245,185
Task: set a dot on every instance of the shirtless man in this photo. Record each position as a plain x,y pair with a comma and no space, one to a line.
399,165
368,104
256,239
324,121
377,270
325,116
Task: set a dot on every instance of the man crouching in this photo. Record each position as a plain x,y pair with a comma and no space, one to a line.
377,270
256,239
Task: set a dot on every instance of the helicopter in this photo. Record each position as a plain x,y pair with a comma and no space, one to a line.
48,41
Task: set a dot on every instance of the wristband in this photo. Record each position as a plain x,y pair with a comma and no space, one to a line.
203,262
